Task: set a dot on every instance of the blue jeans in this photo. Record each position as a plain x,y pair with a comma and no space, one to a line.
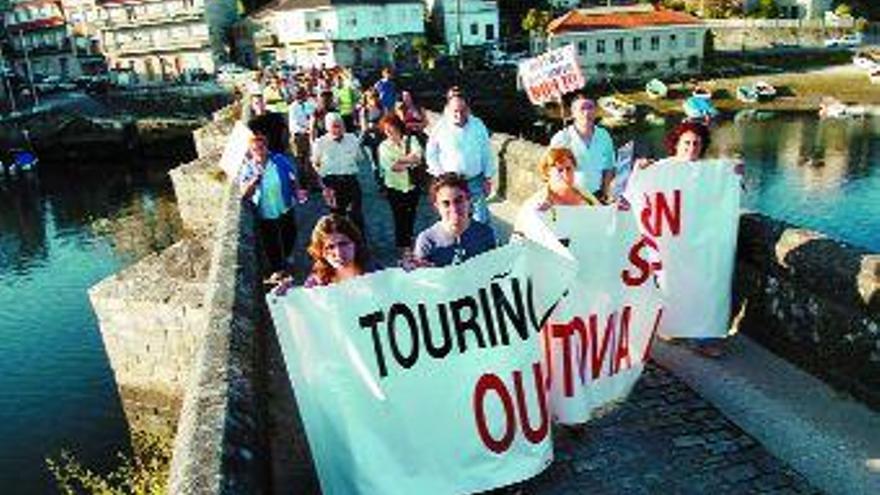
480,210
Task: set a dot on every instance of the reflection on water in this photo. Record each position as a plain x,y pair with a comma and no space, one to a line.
59,234
819,174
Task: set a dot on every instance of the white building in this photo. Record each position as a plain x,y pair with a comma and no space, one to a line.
337,32
465,22
796,9
163,39
631,42
40,40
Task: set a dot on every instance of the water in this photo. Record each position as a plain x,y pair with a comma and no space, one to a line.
59,234
818,174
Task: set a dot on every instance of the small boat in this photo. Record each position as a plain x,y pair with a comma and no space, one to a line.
874,76
753,114
22,161
702,92
656,89
697,107
864,61
617,108
765,90
746,94
832,108
655,119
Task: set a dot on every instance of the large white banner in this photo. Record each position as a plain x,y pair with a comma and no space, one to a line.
425,382
597,341
689,216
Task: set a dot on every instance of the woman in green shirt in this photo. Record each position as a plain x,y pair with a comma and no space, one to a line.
399,154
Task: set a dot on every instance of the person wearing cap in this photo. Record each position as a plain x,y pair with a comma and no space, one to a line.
591,146
459,143
337,156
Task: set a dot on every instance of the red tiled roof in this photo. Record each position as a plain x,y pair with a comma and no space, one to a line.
577,20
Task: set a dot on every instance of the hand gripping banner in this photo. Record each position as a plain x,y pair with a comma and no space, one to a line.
425,382
595,344
688,214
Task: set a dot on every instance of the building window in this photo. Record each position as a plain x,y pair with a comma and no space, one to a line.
690,40
601,67
313,25
637,44
673,41
672,63
693,62
600,46
618,45
490,32
582,48
655,43
475,29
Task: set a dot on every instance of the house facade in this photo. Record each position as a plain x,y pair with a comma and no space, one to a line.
39,41
159,40
465,22
312,33
796,9
631,42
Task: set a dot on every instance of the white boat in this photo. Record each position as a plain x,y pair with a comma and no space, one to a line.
746,94
864,61
656,89
702,92
765,90
874,76
832,108
617,108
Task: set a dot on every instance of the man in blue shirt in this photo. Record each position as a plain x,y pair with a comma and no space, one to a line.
387,90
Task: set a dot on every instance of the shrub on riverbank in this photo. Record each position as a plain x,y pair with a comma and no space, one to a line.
144,472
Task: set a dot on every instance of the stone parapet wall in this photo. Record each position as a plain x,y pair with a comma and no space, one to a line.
744,37
813,300
150,316
199,187
220,446
210,138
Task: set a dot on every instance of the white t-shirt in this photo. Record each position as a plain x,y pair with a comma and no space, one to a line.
592,158
337,157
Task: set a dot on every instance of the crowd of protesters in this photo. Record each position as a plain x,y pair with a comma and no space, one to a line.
315,130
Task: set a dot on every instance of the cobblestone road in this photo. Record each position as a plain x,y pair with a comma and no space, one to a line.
663,439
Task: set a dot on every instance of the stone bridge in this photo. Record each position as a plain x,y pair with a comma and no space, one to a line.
194,352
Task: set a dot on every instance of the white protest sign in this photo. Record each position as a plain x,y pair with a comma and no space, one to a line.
552,74
689,214
236,149
597,341
426,382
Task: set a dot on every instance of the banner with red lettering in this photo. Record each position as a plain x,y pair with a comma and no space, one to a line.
550,75
595,344
689,216
425,382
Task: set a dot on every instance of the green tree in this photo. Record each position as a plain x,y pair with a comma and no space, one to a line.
767,9
536,21
425,51
843,10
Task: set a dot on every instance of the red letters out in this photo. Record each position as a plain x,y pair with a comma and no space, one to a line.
490,382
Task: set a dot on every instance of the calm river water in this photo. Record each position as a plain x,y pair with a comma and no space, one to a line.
71,228
59,234
819,174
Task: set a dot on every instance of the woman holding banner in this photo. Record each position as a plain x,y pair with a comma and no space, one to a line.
339,252
557,169
696,249
456,237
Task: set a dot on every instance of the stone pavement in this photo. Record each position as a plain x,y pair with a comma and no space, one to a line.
664,438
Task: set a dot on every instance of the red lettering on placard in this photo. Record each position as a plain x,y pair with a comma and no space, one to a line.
654,213
644,267
657,320
622,353
564,331
491,382
486,383
533,435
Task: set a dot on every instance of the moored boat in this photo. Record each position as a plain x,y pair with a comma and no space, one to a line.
617,108
746,94
765,90
699,108
656,89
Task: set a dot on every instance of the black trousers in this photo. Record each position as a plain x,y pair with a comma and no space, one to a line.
403,211
278,237
349,202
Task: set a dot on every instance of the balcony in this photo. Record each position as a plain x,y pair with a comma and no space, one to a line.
166,45
153,19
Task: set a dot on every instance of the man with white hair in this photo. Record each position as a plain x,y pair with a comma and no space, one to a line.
337,156
459,143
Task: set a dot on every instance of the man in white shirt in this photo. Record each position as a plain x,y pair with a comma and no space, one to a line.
337,156
591,146
459,143
299,114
